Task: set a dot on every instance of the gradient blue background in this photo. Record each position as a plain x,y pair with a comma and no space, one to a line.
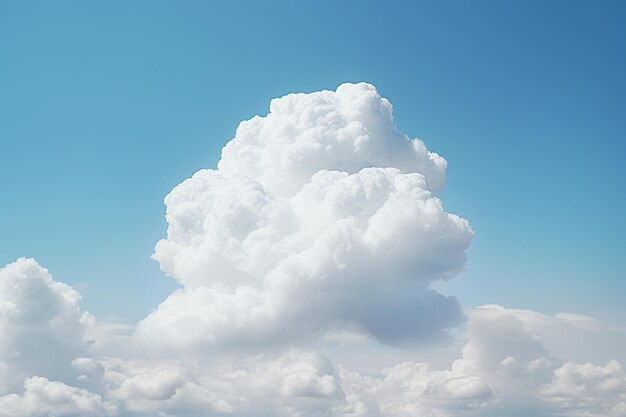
105,106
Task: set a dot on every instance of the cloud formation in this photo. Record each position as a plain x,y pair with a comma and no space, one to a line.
320,214
321,225
42,397
41,325
344,130
509,350
42,330
509,365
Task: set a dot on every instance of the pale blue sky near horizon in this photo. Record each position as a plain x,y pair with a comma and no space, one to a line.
105,106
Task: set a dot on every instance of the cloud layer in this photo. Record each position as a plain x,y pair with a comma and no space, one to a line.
321,226
41,325
510,365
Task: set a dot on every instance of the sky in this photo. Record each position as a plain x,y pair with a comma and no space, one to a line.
105,107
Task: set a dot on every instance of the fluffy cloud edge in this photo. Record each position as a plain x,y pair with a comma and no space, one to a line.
507,366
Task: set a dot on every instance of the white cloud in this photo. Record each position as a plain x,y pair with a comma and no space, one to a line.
43,398
412,389
320,229
514,352
344,130
508,366
282,384
587,389
320,212
41,326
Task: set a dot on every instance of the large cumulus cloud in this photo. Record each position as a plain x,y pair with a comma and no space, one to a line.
319,214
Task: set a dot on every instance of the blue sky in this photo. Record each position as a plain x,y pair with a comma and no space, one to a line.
106,106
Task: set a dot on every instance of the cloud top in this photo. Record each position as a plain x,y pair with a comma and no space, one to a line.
344,130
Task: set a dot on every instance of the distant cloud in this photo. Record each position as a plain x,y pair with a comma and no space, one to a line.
42,397
506,367
321,225
41,325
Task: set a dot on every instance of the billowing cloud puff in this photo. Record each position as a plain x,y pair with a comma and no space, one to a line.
344,130
41,326
44,398
410,389
584,389
284,384
514,351
320,213
42,330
